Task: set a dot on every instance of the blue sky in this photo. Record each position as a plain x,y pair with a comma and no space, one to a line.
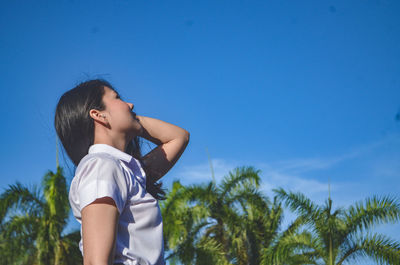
306,91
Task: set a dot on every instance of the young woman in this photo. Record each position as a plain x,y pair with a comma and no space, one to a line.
114,193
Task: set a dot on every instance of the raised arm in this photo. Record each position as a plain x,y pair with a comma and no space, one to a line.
171,140
99,229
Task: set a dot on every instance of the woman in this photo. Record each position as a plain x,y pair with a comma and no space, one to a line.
114,192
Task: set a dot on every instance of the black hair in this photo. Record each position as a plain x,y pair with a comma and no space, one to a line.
75,127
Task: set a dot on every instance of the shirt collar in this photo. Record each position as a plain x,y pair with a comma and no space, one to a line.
105,148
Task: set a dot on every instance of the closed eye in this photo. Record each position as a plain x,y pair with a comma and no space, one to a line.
116,94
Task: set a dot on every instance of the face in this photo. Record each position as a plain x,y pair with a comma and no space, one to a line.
120,114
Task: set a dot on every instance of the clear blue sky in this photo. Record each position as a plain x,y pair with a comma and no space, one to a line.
306,91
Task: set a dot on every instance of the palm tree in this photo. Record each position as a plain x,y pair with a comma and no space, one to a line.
32,224
343,235
229,223
200,220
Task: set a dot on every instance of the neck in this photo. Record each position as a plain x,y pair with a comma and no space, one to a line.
118,142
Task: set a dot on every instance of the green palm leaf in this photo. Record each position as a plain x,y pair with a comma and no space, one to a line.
32,223
341,235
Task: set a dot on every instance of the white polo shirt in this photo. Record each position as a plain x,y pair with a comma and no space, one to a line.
107,171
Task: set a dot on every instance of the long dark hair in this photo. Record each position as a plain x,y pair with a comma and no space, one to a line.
75,127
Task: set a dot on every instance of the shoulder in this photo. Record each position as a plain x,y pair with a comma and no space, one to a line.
98,168
97,161
99,175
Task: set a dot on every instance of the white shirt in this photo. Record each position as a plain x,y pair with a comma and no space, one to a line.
107,171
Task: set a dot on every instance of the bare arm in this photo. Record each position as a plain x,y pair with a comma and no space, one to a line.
99,228
171,140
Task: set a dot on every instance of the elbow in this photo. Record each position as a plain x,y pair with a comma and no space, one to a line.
183,136
186,136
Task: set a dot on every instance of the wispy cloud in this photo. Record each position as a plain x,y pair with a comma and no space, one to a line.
295,174
273,179
202,172
303,165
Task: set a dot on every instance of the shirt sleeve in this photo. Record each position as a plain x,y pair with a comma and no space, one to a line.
102,177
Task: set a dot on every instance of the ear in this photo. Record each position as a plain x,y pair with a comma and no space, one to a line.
97,116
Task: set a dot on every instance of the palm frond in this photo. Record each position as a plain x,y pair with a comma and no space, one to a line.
240,176
17,196
374,210
298,202
381,248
